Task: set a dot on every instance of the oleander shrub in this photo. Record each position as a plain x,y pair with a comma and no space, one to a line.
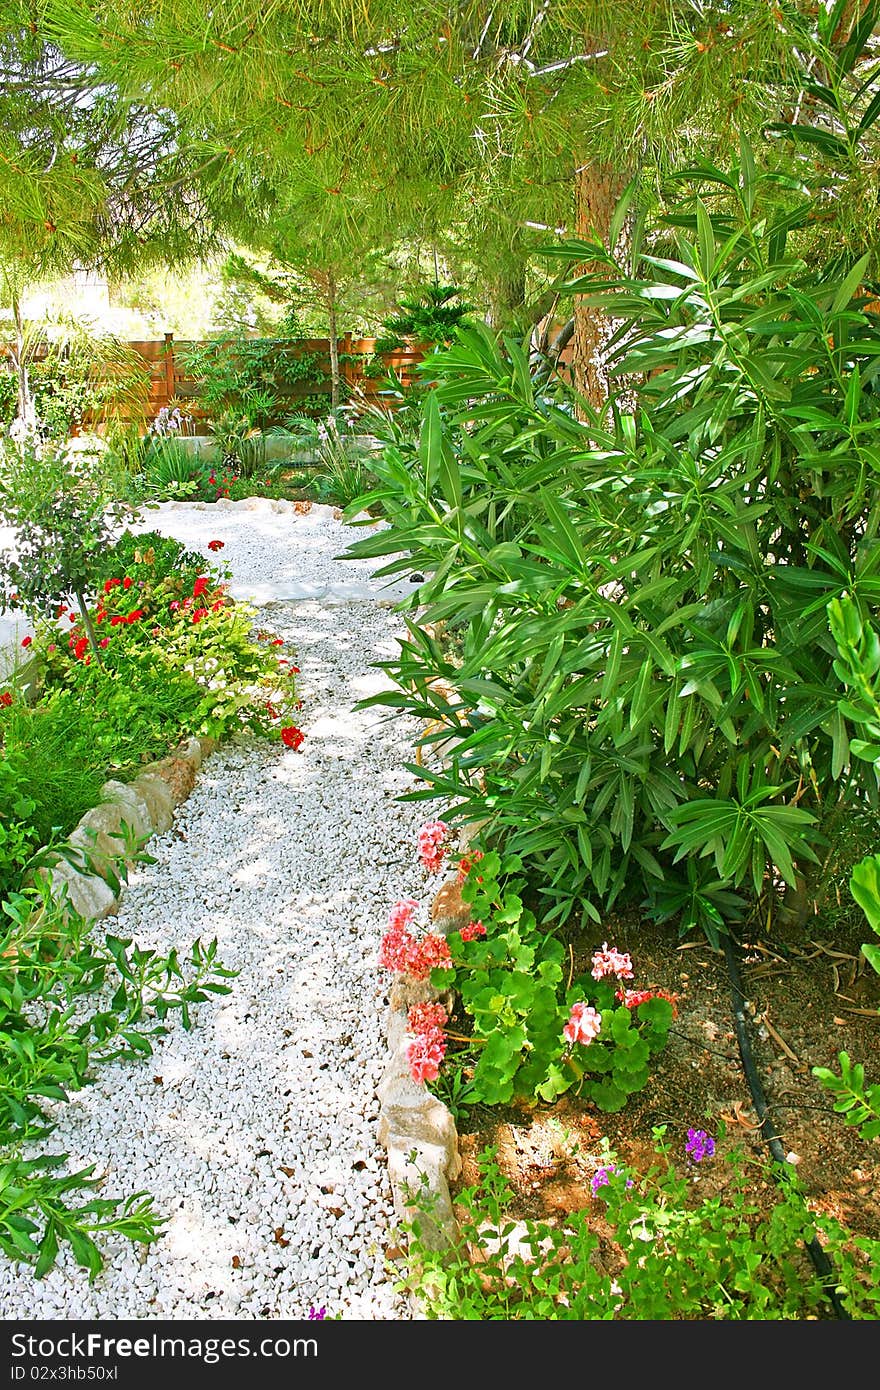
641,696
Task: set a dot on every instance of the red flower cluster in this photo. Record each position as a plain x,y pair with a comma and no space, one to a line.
200,586
427,1049
632,998
26,641
126,619
466,863
6,699
216,545
292,737
472,931
223,486
400,951
610,961
198,614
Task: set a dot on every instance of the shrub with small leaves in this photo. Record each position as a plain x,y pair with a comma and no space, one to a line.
61,506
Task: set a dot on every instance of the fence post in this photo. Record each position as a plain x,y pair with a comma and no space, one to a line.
169,367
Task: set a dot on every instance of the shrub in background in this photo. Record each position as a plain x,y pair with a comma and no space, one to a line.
645,704
62,504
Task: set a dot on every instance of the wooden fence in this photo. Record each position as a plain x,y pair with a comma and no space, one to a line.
171,385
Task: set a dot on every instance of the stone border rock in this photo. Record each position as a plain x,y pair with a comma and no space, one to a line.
416,1129
89,881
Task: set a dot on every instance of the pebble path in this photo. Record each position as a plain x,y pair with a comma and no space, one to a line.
255,1131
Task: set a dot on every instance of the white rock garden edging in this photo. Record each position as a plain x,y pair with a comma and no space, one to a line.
130,812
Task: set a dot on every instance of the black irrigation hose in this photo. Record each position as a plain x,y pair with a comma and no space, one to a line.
820,1260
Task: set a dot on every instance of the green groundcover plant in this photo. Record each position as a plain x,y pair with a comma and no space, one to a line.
71,999
172,657
674,1253
639,697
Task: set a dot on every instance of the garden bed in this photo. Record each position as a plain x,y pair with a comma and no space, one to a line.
810,995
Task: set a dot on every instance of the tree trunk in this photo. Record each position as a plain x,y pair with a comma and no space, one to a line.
335,378
26,412
597,189
507,311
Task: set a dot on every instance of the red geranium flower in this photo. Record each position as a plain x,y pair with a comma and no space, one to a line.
200,585
26,641
292,737
5,699
126,583
111,584
216,545
81,647
199,614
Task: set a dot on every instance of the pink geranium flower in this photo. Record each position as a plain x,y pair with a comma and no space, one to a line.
610,961
431,840
583,1026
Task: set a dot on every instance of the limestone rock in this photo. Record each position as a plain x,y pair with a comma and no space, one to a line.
396,1029
416,1170
405,991
179,775
191,750
100,837
87,894
157,794
411,1113
449,911
134,809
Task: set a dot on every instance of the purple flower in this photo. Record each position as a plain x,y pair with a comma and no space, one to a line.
602,1177
317,1313
699,1145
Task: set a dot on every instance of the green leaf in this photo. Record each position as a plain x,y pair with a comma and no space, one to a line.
850,284
872,955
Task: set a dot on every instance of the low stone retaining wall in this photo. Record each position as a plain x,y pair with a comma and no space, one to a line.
128,814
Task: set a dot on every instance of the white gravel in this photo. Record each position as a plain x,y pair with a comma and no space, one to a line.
256,1131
